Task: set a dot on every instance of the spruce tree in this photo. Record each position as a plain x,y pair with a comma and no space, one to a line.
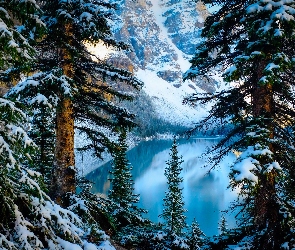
43,134
223,226
29,218
196,237
121,193
173,212
76,86
252,44
20,27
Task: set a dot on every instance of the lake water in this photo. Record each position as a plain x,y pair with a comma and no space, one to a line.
205,195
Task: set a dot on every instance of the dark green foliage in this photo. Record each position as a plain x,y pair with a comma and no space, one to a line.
12,141
15,145
94,82
20,27
38,93
253,42
43,134
126,212
65,69
223,226
94,211
196,237
29,219
151,237
93,86
173,212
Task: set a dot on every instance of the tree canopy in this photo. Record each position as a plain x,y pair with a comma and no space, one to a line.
250,43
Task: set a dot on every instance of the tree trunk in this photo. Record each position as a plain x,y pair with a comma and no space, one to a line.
64,175
266,210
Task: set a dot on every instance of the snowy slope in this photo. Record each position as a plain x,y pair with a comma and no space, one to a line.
163,35
168,99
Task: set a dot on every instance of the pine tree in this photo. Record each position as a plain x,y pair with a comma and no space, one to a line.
223,226
20,27
121,192
94,212
76,86
196,237
173,212
29,218
42,133
253,42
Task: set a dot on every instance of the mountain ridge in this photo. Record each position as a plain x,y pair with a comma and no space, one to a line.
162,35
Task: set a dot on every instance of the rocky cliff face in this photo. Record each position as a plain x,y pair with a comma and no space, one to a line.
184,20
163,35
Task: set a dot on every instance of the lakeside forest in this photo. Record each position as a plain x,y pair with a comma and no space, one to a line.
57,89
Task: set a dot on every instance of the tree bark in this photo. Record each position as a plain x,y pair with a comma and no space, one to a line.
266,210
64,173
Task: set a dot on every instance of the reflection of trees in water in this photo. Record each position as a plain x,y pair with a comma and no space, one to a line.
140,158
100,178
204,194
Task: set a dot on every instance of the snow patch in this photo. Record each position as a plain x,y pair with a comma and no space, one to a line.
168,99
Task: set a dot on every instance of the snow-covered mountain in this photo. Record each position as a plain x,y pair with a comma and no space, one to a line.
162,35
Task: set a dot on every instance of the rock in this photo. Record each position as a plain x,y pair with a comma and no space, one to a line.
162,35
169,76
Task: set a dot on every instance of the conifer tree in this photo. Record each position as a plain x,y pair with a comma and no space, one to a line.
223,226
196,237
76,86
173,212
253,42
29,218
121,192
43,134
20,27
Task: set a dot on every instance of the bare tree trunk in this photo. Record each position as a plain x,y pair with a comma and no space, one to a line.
64,175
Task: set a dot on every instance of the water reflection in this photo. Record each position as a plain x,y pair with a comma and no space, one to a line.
205,195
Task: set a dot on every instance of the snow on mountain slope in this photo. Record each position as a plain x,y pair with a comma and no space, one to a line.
168,99
163,35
